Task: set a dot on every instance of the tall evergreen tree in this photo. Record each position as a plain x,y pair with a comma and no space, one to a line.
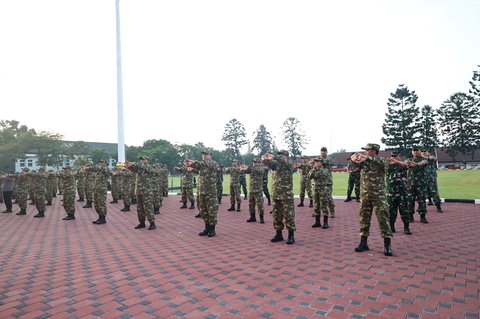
234,137
293,136
401,127
428,124
262,140
459,120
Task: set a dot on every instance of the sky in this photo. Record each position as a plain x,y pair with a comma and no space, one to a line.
189,67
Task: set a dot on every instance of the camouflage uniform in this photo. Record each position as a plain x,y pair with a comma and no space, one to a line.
353,181
40,190
207,190
431,181
397,196
265,185
89,184
187,186
51,189
102,175
373,196
157,187
243,184
164,181
328,164
417,186
60,185
145,191
69,191
116,186
282,193
320,197
219,183
21,192
80,176
305,183
127,183
256,196
234,187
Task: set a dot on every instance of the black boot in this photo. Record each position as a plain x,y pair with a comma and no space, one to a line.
156,211
245,197
232,208
69,217
291,238
252,218
430,202
96,221
387,243
411,218
211,232
88,205
423,219
205,231
184,205
301,203
406,228
269,201
80,200
439,208
141,225
317,222
125,209
325,222
152,226
114,201
311,204
363,244
238,207
349,199
192,205
7,211
198,215
219,199
261,219
102,220
392,226
49,203
22,211
40,214
278,237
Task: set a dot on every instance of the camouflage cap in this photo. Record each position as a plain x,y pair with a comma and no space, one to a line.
323,148
371,146
415,148
25,169
144,158
206,152
394,154
102,161
317,159
257,160
304,157
283,152
67,167
234,160
41,168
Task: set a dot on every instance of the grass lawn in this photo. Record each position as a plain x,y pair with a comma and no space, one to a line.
457,184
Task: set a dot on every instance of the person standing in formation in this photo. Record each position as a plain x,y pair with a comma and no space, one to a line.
282,194
127,184
102,174
234,185
187,186
431,180
89,183
328,164
305,183
21,194
80,176
353,180
417,181
40,191
320,176
69,192
256,182
243,184
6,188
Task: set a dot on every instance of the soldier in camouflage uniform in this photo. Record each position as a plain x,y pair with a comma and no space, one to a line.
353,181
51,181
243,184
60,185
187,186
80,176
373,196
305,183
320,176
145,173
6,189
397,196
157,184
31,187
116,186
220,183
431,176
207,191
127,178
256,196
21,192
417,180
102,175
164,173
265,186
282,194
40,190
234,185
69,192
328,164
89,184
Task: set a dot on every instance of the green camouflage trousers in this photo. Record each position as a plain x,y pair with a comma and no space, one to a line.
398,201
255,199
320,202
187,194
145,207
208,207
330,202
157,198
432,190
305,184
100,202
283,214
367,205
22,198
89,191
235,194
353,182
417,193
40,198
69,201
127,194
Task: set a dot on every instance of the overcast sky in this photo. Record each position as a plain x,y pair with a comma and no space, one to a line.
330,64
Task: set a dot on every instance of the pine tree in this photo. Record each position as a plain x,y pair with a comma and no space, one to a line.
428,124
262,140
401,126
293,136
234,137
459,121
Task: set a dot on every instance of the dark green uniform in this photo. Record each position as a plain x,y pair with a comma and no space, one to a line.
353,181
145,191
256,196
417,186
207,190
397,196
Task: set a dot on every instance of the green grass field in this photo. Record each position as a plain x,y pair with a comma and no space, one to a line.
451,184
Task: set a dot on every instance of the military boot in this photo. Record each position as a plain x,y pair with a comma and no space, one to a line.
69,216
317,222
152,226
252,218
291,238
261,219
348,199
232,208
301,203
102,220
141,225
278,237
325,222
387,247
363,244
332,212
198,215
205,231
211,232
184,205
269,201
22,211
439,208
423,219
80,200
392,226
192,204
49,203
156,211
238,207
88,205
311,203
40,214
406,228
114,201
430,202
125,209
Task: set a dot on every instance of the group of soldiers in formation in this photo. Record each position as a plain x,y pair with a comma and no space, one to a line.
387,185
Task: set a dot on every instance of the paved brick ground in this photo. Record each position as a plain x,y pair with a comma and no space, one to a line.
57,269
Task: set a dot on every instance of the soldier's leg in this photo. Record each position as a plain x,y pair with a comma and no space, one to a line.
289,217
203,211
365,215
184,197
357,187
302,191
316,208
141,209
232,198
422,206
149,209
392,208
309,192
259,200
212,208
238,199
350,187
331,204
381,211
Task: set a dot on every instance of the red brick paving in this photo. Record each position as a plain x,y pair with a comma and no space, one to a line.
73,269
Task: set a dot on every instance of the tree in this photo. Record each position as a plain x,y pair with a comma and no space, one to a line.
459,125
161,151
99,154
262,140
14,143
293,136
234,137
401,126
474,91
428,125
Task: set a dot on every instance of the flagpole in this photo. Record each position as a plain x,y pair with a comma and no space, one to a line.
121,138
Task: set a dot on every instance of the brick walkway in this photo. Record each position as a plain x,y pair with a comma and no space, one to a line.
73,269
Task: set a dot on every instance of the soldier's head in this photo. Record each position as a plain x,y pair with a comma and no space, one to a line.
317,162
416,152
283,153
304,159
206,155
257,162
102,162
67,168
394,155
425,152
323,152
371,149
144,159
234,163
41,169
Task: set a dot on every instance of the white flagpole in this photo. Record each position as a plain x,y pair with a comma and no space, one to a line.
121,139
